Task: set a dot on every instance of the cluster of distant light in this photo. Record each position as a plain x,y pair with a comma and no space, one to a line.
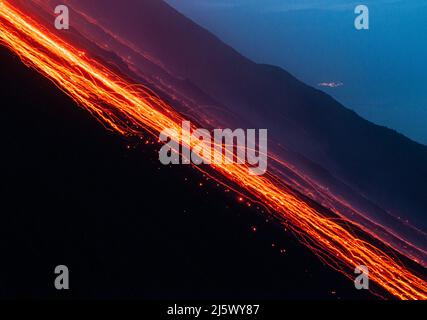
330,84
132,110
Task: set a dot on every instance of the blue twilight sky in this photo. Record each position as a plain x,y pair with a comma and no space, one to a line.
383,70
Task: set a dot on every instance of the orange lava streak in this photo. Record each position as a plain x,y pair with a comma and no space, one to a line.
130,109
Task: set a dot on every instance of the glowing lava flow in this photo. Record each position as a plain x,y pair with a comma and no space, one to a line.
132,109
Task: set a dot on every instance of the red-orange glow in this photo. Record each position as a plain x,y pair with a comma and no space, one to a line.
131,110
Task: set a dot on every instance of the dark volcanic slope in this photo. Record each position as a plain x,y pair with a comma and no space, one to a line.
382,164
72,193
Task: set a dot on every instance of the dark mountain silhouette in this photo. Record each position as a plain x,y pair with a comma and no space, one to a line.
314,129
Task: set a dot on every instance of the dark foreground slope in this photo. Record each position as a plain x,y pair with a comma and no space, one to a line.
72,193
383,165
